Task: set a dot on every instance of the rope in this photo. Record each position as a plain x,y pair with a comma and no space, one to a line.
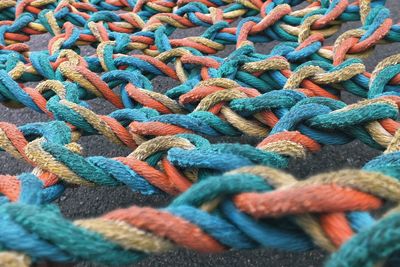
227,195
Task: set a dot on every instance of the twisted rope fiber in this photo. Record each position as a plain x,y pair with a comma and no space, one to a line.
38,153
339,192
197,196
84,83
201,13
14,136
47,67
217,97
96,123
72,167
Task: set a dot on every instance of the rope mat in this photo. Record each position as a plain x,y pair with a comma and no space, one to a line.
227,196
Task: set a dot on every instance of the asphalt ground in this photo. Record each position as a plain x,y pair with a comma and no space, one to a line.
85,202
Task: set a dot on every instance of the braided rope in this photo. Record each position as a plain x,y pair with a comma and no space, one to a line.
229,196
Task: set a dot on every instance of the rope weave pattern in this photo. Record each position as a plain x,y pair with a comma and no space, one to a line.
228,195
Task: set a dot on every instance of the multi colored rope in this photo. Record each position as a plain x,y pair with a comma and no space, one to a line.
229,196
242,197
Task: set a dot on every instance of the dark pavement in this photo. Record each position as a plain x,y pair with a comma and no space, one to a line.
86,202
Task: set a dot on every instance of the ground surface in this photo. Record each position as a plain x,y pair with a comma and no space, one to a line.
83,202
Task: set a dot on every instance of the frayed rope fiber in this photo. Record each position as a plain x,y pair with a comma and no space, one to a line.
226,195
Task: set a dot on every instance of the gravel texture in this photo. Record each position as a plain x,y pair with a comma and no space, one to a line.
86,202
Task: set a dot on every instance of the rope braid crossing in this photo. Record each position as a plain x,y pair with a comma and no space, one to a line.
240,94
15,142
260,192
38,62
281,142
